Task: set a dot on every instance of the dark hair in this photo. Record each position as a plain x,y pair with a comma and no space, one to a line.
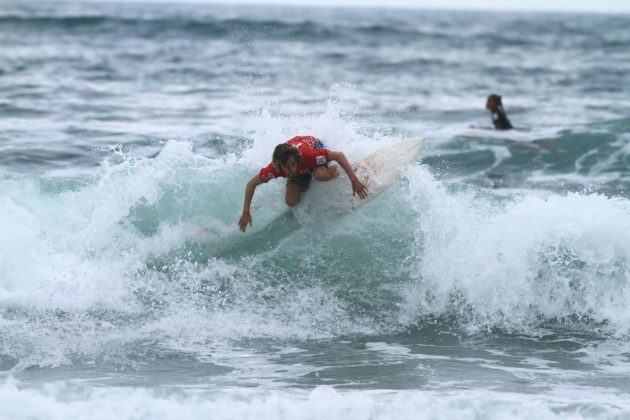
496,98
281,155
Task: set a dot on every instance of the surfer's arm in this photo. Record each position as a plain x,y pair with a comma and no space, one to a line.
357,185
246,217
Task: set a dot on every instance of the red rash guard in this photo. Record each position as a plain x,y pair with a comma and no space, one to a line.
311,157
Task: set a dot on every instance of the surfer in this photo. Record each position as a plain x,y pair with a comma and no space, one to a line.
499,116
299,160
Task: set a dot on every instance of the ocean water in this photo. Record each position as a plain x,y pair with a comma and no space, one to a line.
491,281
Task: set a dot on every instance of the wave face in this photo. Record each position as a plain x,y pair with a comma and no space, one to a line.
144,257
497,265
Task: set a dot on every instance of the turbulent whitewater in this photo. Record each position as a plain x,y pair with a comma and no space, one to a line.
492,280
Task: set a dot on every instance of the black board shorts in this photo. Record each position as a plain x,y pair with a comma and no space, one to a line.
303,181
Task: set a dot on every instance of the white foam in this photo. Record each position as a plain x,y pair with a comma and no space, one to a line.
61,401
513,260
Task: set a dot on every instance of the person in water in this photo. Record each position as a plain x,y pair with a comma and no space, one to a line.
499,116
299,160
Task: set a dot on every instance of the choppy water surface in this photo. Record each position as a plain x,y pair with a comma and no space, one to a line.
491,281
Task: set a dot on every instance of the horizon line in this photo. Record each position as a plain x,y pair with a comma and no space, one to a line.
391,6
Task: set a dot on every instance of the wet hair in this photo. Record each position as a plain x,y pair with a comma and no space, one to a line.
282,153
496,98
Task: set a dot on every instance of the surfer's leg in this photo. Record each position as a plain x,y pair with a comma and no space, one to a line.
292,195
322,173
295,186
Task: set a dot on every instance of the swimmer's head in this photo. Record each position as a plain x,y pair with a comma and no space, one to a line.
493,101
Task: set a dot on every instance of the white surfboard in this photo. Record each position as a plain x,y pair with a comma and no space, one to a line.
380,169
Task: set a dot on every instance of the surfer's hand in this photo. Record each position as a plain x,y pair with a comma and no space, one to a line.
359,189
246,218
